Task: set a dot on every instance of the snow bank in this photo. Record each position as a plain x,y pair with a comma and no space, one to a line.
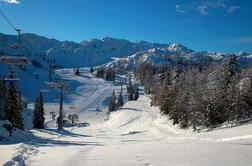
164,122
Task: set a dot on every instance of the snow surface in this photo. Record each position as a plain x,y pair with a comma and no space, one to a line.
134,135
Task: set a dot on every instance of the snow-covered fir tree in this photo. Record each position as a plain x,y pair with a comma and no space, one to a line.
120,100
110,74
130,96
129,86
13,112
112,103
136,92
2,99
77,71
100,72
130,89
38,112
178,69
19,98
91,69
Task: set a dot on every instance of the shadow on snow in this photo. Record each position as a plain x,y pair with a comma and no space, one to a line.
29,138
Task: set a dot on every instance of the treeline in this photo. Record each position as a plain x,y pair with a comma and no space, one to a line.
132,90
201,95
115,102
106,73
36,63
11,108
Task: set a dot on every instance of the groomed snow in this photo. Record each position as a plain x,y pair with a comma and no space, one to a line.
134,135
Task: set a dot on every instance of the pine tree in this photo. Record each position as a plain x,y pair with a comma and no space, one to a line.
120,100
91,70
13,112
129,87
38,112
2,98
110,74
130,96
100,72
136,93
219,108
112,103
19,99
77,71
178,69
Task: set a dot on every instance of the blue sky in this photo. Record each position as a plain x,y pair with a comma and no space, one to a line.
216,25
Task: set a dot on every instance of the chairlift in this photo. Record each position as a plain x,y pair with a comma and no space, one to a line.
72,107
57,100
20,52
11,79
15,60
36,75
44,90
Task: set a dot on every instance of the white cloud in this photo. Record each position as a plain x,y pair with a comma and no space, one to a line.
202,10
232,9
219,4
11,1
179,8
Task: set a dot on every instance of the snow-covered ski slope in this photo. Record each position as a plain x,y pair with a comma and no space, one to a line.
135,135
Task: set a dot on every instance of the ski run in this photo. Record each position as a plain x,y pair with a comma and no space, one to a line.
134,135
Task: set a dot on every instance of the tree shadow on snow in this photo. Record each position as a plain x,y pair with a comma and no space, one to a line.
63,133
28,137
131,109
134,132
130,121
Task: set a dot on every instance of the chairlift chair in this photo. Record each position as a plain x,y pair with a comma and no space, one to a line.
72,107
19,57
11,79
19,54
14,60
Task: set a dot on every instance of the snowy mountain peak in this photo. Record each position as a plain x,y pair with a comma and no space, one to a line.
176,47
242,53
110,39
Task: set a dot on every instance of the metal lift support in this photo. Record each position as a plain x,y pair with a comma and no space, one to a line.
63,87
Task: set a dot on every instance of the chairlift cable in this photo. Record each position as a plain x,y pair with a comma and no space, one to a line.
10,60
12,25
6,18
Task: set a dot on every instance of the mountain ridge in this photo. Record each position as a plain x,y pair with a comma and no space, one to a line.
96,52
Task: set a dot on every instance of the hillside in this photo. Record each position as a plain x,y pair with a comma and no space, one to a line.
134,135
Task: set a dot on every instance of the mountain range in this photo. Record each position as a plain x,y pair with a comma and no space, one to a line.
109,51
